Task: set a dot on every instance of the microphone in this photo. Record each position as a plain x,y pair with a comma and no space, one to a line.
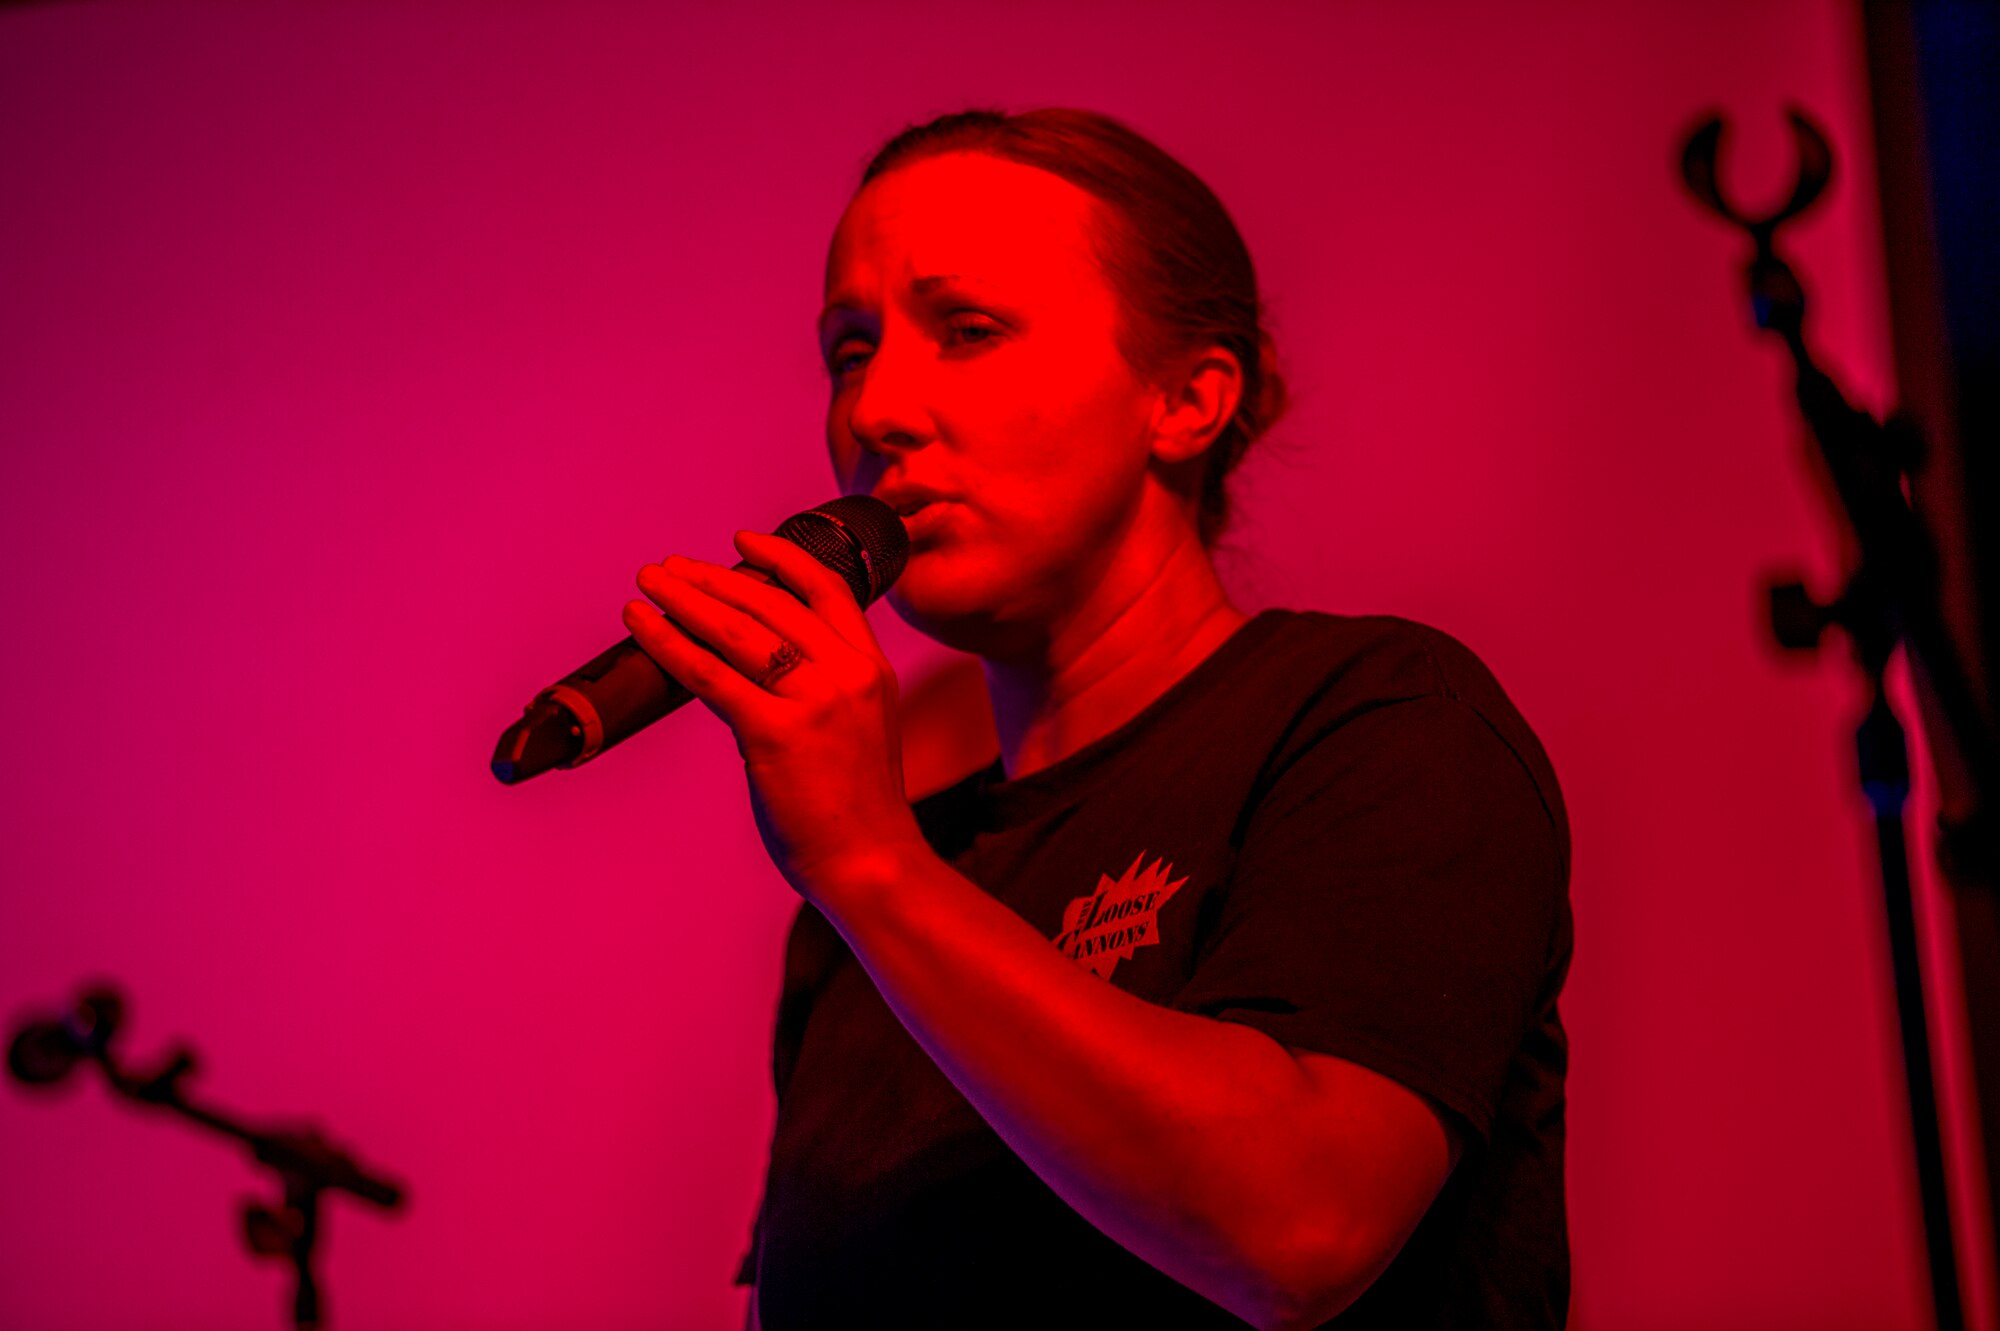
620,692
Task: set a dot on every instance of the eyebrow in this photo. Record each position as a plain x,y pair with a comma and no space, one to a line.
922,286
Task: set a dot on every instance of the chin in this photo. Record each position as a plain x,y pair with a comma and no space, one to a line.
959,604
934,602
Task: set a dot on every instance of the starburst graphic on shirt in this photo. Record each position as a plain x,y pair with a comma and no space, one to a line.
1101,930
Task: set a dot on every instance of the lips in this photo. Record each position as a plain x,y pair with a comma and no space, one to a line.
908,500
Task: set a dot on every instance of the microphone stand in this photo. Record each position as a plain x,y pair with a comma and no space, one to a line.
305,1162
1891,599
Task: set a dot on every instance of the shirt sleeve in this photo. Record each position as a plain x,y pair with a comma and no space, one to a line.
1394,903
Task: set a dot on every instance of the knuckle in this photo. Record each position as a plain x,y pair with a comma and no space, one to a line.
869,684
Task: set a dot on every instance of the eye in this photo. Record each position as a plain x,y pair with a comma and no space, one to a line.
848,354
969,329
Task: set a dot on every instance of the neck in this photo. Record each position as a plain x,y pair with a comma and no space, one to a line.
1110,658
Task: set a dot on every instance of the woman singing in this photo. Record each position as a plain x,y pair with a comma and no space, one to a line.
1227,994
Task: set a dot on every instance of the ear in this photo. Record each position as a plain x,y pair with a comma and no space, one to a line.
1197,405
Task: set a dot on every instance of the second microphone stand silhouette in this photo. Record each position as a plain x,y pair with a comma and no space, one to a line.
307,1164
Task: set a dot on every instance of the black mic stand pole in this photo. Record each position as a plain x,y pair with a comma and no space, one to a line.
305,1162
1891,599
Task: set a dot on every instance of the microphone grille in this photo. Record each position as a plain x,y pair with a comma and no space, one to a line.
857,536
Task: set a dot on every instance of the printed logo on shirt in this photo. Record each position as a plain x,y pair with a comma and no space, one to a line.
1101,930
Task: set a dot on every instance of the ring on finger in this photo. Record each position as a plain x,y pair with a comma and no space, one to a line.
782,661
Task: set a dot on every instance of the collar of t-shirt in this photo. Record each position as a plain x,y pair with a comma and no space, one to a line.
995,804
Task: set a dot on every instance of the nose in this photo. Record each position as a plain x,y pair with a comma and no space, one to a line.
887,411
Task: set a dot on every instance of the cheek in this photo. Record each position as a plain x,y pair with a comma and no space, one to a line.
1071,449
1048,485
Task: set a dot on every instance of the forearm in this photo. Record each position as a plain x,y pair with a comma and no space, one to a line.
1180,1137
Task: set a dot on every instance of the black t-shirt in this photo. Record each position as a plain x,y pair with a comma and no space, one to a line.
1335,830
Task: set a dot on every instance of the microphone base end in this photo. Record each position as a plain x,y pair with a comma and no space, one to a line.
547,736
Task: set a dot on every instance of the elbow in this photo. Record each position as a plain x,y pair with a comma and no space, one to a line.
1308,1276
1301,1306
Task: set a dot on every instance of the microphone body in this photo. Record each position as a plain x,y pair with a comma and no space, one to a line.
622,690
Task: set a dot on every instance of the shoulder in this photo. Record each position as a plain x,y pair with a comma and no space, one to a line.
1427,696
1373,659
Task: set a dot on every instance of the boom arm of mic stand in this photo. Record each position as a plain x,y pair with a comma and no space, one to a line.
306,1163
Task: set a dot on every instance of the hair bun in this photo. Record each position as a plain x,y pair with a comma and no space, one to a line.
1272,396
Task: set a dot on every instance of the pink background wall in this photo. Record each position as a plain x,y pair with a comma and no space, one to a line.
353,357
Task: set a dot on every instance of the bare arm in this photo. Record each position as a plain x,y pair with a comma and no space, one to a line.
1278,1183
